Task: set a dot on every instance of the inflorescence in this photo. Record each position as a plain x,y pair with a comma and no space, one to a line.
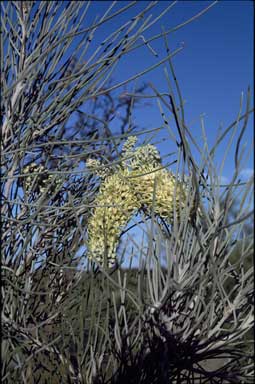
137,182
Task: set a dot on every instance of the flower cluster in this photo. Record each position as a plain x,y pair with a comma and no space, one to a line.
128,146
139,182
161,193
115,205
38,178
96,167
145,158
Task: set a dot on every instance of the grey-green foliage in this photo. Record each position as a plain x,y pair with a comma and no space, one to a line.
187,302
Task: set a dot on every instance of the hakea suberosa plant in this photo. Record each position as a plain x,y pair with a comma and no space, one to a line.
137,182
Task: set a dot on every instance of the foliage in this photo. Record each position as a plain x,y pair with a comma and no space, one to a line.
178,306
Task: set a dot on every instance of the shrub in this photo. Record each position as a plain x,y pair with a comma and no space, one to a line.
179,308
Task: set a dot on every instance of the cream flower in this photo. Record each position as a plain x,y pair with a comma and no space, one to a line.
138,182
116,204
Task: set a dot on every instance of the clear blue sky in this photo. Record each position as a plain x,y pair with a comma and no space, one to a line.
214,67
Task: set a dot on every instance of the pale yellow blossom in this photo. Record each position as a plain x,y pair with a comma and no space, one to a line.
139,182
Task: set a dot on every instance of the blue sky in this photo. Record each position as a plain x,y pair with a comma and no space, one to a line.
214,67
